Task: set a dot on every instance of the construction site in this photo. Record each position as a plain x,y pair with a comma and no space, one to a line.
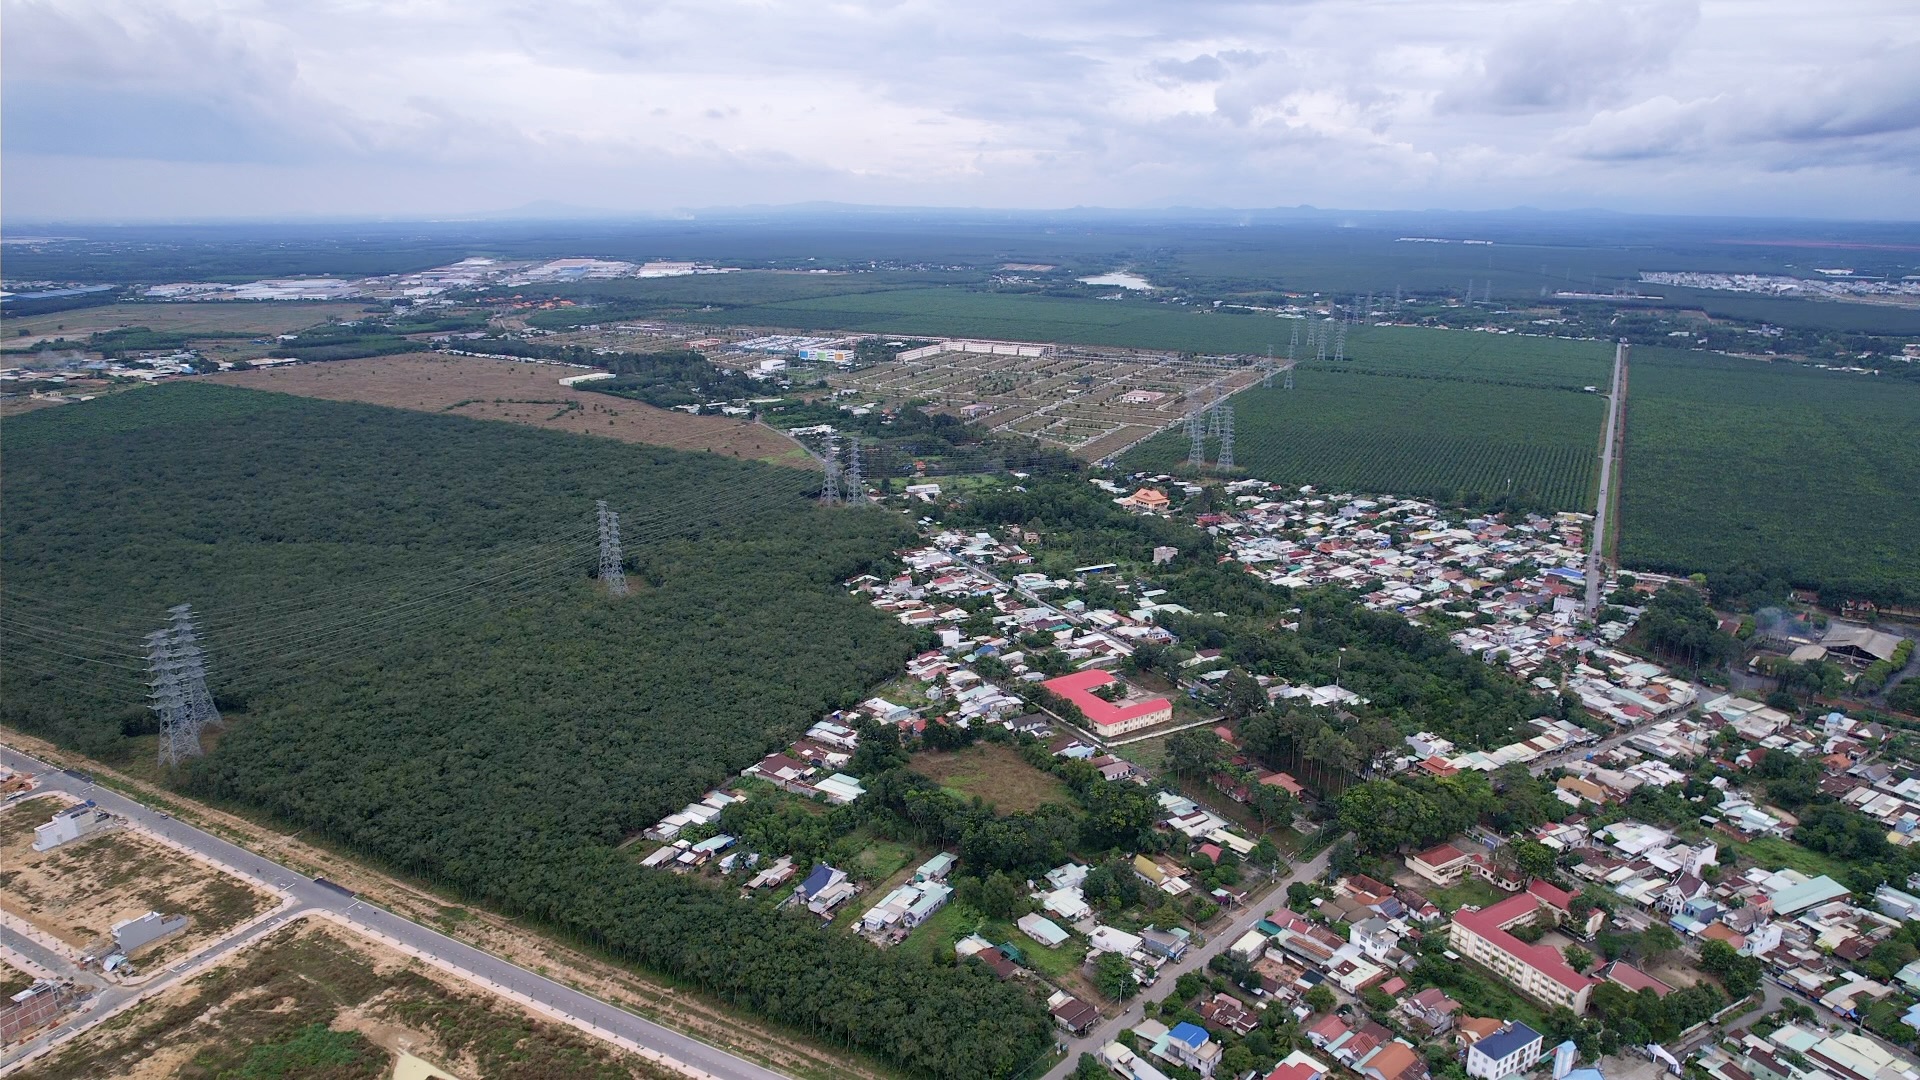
1095,403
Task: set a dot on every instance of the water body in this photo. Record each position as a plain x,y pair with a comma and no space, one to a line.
1120,278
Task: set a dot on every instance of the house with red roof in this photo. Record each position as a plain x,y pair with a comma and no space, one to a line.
1285,782
1443,865
1326,1030
1108,718
1623,974
1538,971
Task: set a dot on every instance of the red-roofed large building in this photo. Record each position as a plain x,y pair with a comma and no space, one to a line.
1539,971
1444,865
1109,719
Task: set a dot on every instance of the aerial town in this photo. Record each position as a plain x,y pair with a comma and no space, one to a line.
879,541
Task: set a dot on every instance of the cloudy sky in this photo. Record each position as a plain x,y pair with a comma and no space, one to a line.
158,109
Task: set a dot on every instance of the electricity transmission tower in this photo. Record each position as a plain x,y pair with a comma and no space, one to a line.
1226,436
611,573
178,687
1320,345
1288,384
830,494
1340,343
1213,420
193,665
856,478
1197,440
1268,381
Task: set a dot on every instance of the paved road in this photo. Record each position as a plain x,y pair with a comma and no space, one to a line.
307,895
1195,960
1616,399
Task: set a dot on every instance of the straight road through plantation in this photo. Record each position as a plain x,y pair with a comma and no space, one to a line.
311,896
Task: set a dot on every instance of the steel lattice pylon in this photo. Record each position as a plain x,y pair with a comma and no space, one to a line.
612,573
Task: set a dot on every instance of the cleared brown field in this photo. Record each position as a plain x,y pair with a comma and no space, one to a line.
518,393
996,773
77,891
315,999
233,317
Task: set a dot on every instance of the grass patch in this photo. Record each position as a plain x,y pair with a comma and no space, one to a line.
1776,853
1481,994
994,773
880,860
1470,890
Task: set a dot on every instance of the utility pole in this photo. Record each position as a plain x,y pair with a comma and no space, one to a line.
612,575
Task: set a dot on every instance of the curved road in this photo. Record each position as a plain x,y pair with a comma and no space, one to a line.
308,896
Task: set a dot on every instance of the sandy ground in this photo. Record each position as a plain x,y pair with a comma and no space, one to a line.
162,1036
705,1019
520,393
79,890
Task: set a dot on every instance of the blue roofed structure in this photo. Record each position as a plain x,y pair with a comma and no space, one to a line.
1502,1043
1192,1034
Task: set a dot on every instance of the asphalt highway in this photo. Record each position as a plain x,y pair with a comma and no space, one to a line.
309,895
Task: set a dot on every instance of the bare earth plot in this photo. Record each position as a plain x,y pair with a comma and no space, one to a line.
255,317
703,1018
79,890
521,393
315,999
996,773
1092,402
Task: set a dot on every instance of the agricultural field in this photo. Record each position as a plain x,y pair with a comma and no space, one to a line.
79,890
1757,473
995,773
314,999
417,665
1444,415
1007,316
261,318
530,394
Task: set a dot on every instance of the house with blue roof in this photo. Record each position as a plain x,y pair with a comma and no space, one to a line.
1513,1049
1189,1046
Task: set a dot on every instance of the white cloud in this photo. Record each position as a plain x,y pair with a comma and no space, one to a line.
443,106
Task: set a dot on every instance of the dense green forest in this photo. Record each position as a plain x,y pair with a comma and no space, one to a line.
1765,476
415,664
